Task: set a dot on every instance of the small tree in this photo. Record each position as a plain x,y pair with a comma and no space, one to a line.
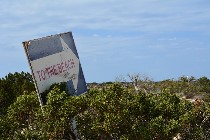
142,82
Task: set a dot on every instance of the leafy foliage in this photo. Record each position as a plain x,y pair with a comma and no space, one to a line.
12,86
110,112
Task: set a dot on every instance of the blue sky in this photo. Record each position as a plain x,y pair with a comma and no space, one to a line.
160,38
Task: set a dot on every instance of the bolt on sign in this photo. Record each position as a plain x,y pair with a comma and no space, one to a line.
54,59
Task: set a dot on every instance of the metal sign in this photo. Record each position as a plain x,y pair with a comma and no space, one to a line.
54,59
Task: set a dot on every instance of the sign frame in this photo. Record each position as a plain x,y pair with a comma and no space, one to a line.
65,67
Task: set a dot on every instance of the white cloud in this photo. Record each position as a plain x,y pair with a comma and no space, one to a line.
106,28
147,16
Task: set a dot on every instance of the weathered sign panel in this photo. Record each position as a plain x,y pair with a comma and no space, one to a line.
54,59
